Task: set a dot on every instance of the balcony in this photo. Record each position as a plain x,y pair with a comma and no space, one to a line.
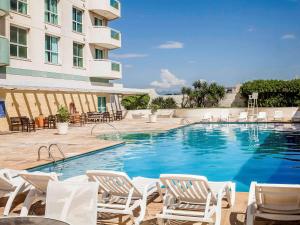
4,51
4,7
105,37
110,9
107,69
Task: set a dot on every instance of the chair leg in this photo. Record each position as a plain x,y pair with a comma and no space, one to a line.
32,195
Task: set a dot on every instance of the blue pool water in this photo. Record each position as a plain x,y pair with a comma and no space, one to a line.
238,152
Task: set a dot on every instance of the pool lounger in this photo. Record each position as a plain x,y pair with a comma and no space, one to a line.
194,198
274,202
10,186
121,195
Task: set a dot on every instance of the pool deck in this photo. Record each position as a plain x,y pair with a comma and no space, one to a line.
20,150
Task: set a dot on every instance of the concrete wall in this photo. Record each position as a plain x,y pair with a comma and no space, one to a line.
34,103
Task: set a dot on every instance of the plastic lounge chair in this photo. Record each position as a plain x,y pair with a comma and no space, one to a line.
193,198
262,117
38,182
10,186
243,117
207,117
278,116
224,116
274,202
71,202
121,195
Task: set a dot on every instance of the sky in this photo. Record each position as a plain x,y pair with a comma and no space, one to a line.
167,44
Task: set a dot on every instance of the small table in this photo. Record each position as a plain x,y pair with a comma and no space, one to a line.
30,220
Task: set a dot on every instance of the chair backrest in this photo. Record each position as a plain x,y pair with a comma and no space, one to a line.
278,114
15,120
73,203
188,188
278,198
5,183
114,183
243,115
39,180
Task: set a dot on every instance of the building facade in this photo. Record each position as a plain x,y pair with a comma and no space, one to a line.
56,52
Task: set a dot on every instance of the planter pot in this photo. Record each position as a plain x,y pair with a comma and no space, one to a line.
152,118
62,128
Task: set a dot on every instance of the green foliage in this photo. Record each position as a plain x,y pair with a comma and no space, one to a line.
273,93
154,108
63,114
202,94
136,102
164,103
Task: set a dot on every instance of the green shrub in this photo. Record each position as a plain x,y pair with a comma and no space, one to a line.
273,93
136,102
63,114
164,103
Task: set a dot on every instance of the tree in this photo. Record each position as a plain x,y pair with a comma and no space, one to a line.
136,102
164,103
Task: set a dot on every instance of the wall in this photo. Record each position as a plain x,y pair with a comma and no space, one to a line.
34,103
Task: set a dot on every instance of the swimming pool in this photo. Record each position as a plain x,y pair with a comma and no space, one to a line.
238,152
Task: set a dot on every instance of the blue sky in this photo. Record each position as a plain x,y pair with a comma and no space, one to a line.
170,43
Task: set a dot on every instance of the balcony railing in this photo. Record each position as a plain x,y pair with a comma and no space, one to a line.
106,69
4,7
115,34
105,37
109,9
4,51
115,4
115,66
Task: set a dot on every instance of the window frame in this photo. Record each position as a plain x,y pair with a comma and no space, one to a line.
51,13
75,21
17,44
77,57
25,2
51,52
101,50
100,19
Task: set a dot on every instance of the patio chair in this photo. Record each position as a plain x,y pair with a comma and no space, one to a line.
10,186
279,202
194,199
27,124
278,116
71,202
207,117
121,195
107,117
243,117
15,123
118,115
262,117
224,116
38,188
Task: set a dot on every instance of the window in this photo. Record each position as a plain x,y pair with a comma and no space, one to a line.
115,66
77,55
2,109
51,14
98,54
115,34
18,42
19,6
114,4
98,22
77,20
101,104
51,49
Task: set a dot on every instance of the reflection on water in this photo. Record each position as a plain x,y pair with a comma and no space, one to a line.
239,152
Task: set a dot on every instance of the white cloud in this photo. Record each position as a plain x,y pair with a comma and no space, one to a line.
168,80
171,45
128,55
288,36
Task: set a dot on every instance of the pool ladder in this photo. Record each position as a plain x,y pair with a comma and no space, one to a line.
49,149
112,126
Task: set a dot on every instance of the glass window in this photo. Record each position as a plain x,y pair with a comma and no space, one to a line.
51,49
51,13
77,55
99,54
18,42
114,4
98,22
101,104
77,20
19,6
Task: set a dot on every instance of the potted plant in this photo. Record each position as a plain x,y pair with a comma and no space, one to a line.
63,117
153,116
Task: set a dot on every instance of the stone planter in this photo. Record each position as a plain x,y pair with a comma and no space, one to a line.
152,118
62,128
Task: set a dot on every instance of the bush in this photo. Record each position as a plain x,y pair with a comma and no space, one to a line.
136,102
63,115
273,93
164,103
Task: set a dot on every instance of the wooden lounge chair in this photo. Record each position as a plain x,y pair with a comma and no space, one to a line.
122,196
107,117
27,124
193,198
273,202
15,123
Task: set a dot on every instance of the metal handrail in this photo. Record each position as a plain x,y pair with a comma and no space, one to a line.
59,149
49,153
104,123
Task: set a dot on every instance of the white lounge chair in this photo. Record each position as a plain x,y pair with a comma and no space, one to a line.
10,186
38,182
71,202
262,117
207,117
243,117
274,202
193,198
278,116
224,116
121,195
